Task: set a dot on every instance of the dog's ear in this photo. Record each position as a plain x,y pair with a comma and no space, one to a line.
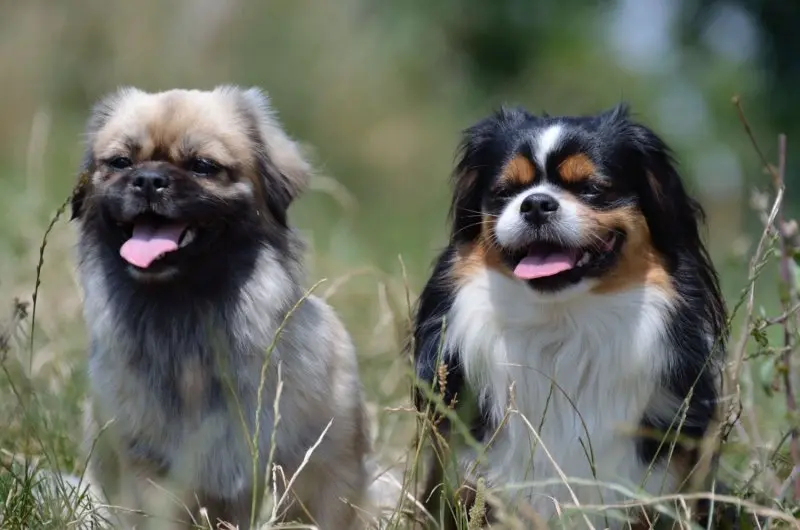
465,208
481,146
282,166
79,195
98,117
672,214
675,219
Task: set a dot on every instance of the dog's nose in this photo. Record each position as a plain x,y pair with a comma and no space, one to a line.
538,207
148,182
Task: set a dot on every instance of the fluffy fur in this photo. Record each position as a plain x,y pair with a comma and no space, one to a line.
612,350
177,346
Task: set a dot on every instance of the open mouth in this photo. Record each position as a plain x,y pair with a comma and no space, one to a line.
151,237
550,260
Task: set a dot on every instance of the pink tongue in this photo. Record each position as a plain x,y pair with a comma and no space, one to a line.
540,266
149,243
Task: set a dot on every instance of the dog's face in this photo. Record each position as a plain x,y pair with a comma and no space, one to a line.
570,203
175,181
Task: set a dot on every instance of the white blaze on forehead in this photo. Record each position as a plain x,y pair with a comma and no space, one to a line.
547,142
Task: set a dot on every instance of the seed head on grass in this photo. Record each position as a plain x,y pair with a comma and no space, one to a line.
478,510
441,377
19,313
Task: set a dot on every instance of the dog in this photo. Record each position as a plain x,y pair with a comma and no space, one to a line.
575,312
207,361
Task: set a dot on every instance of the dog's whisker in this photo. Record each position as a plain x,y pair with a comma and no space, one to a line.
542,285
199,323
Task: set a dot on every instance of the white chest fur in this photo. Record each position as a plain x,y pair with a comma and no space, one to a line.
584,369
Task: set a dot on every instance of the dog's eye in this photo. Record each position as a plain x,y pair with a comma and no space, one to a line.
592,188
203,166
120,162
502,192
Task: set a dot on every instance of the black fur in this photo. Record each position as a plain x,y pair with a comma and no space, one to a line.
213,270
191,339
643,174
281,193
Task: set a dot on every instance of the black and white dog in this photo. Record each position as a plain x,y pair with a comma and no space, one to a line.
576,272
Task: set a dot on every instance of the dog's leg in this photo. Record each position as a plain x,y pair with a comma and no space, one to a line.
104,472
234,511
331,495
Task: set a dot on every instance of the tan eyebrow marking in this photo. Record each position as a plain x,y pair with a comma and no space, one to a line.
576,168
520,171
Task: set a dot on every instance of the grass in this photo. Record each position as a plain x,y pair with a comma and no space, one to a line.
42,381
386,122
42,385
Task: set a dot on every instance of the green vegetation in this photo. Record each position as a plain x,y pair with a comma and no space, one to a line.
379,92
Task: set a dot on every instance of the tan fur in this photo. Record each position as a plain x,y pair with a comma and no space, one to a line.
179,124
313,362
484,252
639,263
519,171
174,122
576,168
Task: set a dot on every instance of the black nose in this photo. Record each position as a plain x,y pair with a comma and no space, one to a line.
538,207
148,182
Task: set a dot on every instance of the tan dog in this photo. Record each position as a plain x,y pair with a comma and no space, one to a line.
189,269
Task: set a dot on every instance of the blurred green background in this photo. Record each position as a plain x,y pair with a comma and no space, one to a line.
380,92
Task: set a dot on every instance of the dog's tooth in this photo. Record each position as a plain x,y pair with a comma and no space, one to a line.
188,237
584,259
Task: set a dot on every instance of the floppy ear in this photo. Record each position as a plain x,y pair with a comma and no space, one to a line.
479,146
98,117
673,216
466,203
284,170
674,219
79,193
